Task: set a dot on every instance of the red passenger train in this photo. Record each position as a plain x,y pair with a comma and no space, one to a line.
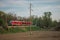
20,23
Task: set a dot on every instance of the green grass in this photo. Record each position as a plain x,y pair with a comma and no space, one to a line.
32,28
18,29
12,30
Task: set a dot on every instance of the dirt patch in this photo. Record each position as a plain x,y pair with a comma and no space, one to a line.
35,35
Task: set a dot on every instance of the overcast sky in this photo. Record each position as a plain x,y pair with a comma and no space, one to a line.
21,7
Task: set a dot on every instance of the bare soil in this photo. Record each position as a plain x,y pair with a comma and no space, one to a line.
35,35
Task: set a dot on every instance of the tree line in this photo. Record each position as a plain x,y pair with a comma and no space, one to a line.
45,21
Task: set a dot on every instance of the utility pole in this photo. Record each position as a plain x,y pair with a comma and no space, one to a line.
30,19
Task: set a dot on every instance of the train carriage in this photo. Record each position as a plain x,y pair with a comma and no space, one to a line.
20,23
